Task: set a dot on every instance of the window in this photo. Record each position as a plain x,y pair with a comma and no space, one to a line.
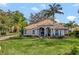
33,32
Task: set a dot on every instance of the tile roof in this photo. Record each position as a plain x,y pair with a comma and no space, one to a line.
46,22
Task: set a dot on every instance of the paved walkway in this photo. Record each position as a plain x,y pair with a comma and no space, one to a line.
7,37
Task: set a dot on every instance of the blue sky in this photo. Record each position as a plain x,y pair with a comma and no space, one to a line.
69,9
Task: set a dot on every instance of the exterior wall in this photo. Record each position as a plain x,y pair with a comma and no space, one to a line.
30,32
50,30
61,33
66,31
53,31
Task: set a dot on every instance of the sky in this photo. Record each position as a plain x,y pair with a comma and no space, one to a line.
69,9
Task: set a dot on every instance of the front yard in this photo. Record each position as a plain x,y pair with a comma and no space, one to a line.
36,46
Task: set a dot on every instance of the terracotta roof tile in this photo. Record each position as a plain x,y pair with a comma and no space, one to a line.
44,23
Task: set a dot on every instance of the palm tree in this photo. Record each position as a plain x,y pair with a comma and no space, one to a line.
19,20
70,25
54,8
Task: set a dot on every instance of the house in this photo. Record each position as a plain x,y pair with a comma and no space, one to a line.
46,27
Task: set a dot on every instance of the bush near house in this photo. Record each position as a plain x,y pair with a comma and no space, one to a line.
74,33
77,33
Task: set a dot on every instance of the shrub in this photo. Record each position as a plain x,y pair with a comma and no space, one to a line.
76,33
73,51
71,33
61,37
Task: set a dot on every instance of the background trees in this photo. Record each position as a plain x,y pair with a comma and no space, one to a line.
47,13
71,24
11,21
37,16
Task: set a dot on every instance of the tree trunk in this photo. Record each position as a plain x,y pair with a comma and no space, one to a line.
53,16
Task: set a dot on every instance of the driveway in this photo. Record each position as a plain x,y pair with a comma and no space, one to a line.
7,37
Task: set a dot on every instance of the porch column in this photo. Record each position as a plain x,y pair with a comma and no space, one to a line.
63,33
45,32
38,32
59,32
53,32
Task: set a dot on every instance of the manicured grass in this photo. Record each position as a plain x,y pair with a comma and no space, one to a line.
36,46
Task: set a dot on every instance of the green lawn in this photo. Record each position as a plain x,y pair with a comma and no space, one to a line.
36,46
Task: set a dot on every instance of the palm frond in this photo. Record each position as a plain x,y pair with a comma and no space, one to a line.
58,5
78,11
59,12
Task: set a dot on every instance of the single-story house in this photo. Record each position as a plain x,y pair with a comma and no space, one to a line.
46,27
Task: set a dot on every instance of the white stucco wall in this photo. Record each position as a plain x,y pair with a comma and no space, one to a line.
30,32
61,33
53,32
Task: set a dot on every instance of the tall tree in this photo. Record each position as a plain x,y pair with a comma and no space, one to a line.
71,25
47,13
37,17
54,9
2,20
19,20
11,20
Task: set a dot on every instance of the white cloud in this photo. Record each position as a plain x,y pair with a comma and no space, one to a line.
57,20
71,18
35,9
76,5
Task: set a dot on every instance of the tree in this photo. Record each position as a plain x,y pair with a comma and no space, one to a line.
11,20
54,9
19,20
46,13
2,21
32,18
70,25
